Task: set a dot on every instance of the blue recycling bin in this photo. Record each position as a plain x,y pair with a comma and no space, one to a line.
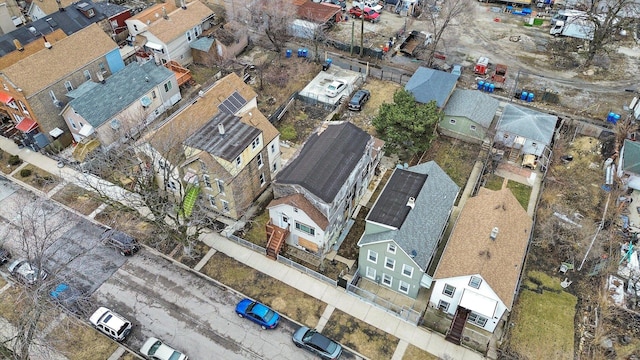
530,97
299,52
329,62
616,117
524,95
480,84
492,87
486,86
288,53
305,52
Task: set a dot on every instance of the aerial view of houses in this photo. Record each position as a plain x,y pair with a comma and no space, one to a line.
392,179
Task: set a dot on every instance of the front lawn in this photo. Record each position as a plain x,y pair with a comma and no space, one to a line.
36,177
78,341
415,353
77,198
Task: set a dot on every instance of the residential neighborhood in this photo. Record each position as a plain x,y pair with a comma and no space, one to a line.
199,179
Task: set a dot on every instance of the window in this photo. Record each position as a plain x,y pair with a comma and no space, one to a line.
273,148
167,86
452,121
73,124
225,206
102,68
275,167
403,287
305,229
68,85
372,256
449,290
475,282
255,143
135,27
391,248
371,273
387,279
87,75
477,319
189,36
153,94
443,305
472,128
91,12
389,263
172,185
220,184
262,181
80,124
238,161
52,95
407,270
207,181
212,201
259,159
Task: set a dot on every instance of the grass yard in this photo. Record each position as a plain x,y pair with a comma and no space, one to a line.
279,296
415,353
38,178
360,336
77,198
128,221
494,182
521,192
10,304
544,319
455,157
78,341
257,233
5,162
3,282
128,356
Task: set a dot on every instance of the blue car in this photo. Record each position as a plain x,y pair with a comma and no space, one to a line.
258,313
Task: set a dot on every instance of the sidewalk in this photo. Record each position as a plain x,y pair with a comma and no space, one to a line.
334,297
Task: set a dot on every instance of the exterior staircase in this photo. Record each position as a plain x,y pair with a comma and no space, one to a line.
454,334
513,155
276,238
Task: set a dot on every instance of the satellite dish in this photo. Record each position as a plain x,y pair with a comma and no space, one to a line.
115,124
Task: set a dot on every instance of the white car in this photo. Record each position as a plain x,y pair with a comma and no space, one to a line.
27,273
111,324
155,349
335,88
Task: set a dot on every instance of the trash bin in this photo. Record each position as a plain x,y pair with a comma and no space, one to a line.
530,97
480,85
305,52
524,95
299,52
288,54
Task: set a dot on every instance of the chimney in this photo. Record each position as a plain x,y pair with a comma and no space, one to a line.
181,4
411,202
46,43
221,129
100,77
18,45
494,233
164,13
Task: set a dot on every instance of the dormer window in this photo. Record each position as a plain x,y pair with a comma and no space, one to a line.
238,161
68,85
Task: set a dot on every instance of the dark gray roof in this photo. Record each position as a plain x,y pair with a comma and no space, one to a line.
474,105
110,9
84,88
423,225
528,123
119,91
428,84
327,159
237,136
70,20
391,206
202,44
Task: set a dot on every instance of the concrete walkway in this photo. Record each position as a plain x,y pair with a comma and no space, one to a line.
334,297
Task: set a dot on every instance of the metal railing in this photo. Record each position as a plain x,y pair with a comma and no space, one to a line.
306,270
247,244
405,313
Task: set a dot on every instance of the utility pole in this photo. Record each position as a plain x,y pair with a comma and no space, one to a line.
362,33
353,27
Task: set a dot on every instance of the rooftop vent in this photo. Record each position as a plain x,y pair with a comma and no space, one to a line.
18,45
411,202
221,129
494,233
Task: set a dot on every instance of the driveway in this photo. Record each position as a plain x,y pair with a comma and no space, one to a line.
190,313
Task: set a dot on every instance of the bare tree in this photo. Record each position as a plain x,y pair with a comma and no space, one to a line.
441,17
272,17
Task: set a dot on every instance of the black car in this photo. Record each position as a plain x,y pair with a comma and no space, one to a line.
359,99
124,243
317,343
70,298
341,3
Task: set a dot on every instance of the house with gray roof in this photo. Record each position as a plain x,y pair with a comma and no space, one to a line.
428,85
526,131
629,164
468,115
405,226
119,106
332,171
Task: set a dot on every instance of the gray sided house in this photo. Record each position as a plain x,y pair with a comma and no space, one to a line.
526,131
404,227
468,115
431,85
332,171
118,107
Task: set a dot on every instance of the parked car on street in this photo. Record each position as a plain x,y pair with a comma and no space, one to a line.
317,343
359,99
70,298
111,324
335,88
258,313
155,349
5,255
369,14
22,270
457,69
122,242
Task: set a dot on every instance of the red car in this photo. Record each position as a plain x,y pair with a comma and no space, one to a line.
369,14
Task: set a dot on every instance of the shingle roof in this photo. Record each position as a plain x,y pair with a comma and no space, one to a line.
33,44
631,156
69,21
62,59
119,91
327,160
423,225
474,105
51,6
302,203
320,12
110,9
528,123
471,251
428,84
179,21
